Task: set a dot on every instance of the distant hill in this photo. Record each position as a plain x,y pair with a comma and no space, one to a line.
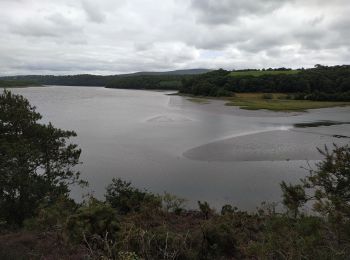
172,72
98,80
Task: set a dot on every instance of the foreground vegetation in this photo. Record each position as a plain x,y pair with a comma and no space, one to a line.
38,219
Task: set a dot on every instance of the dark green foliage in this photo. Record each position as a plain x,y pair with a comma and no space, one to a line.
165,82
331,183
218,240
284,238
172,203
294,197
142,80
324,96
320,83
52,216
125,198
228,209
16,83
69,80
329,189
157,242
205,209
209,84
36,163
328,186
94,220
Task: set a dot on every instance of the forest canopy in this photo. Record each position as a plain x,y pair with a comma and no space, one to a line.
319,83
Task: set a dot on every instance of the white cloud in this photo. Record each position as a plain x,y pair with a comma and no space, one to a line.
118,36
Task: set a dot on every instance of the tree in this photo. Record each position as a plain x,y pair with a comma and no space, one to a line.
328,186
205,209
36,163
294,197
331,183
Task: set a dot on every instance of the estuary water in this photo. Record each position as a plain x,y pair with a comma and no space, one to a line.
208,152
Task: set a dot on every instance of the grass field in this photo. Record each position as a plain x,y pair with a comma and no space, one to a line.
278,102
261,73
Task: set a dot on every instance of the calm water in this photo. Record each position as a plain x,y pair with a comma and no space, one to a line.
197,151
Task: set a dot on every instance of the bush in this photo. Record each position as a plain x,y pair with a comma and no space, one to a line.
172,203
92,223
51,217
218,240
125,198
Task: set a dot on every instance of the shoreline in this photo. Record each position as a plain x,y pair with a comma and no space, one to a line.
254,101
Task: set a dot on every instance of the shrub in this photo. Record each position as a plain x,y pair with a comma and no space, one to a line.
125,198
172,203
52,216
205,209
94,221
218,239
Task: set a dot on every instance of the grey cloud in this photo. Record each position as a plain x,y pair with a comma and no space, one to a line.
93,12
226,11
316,20
55,25
262,43
118,36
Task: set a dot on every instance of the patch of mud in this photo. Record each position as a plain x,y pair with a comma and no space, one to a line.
265,146
319,123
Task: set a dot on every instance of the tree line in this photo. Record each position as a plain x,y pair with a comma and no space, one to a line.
17,83
166,82
68,80
129,81
318,83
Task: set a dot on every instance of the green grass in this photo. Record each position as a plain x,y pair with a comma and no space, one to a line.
261,73
199,100
255,101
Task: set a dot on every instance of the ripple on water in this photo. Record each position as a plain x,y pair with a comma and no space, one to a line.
168,119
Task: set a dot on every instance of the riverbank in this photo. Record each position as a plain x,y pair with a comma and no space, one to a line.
278,102
18,84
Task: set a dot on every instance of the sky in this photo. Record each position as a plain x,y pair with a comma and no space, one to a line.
120,36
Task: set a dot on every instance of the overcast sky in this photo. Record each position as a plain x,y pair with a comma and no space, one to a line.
119,36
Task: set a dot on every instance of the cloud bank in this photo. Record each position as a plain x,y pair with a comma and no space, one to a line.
119,36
